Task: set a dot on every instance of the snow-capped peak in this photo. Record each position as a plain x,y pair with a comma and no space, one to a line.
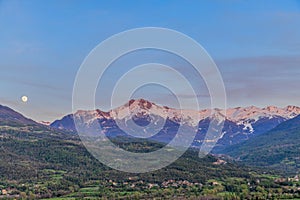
254,113
245,116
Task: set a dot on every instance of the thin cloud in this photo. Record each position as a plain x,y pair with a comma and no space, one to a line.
189,96
266,61
32,84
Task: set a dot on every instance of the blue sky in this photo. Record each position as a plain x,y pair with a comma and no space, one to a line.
255,44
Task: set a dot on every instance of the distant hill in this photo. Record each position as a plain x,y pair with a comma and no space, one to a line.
67,123
9,116
278,148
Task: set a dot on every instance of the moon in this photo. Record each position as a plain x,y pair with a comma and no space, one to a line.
24,99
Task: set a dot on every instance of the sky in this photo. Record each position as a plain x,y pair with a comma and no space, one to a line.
255,44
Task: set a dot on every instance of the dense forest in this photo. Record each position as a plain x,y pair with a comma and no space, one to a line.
40,162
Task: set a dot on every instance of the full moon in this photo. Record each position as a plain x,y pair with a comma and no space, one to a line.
24,99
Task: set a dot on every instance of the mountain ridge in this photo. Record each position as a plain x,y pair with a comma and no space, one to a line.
9,115
240,123
236,114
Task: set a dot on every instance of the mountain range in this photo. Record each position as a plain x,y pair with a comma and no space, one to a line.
240,123
257,136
